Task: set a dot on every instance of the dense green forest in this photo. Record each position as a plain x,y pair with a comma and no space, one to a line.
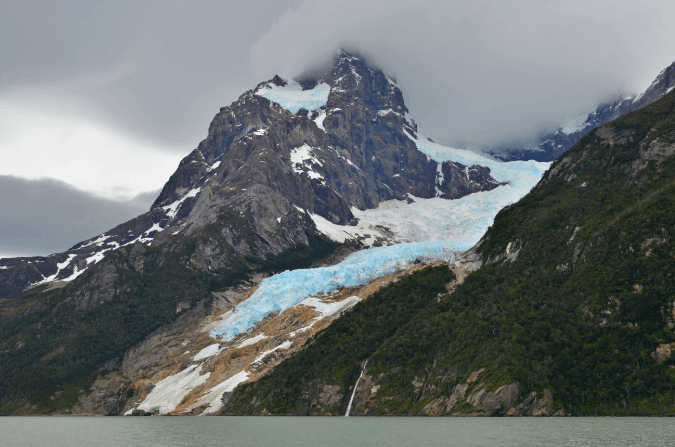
579,307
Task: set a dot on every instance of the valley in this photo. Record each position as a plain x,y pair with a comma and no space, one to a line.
317,254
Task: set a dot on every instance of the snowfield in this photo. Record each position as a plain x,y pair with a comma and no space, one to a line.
432,229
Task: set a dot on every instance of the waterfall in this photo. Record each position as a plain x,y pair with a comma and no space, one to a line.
363,368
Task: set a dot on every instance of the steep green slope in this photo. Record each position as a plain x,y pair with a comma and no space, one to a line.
574,302
334,357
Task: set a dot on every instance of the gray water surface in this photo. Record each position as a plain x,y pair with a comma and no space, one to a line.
334,431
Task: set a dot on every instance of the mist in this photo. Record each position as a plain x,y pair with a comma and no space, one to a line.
482,73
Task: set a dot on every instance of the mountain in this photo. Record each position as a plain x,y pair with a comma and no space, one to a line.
553,145
569,308
327,172
278,168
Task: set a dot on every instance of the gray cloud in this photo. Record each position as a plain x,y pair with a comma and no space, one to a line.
482,72
472,72
161,69
46,216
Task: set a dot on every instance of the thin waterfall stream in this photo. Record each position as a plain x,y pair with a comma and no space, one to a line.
363,368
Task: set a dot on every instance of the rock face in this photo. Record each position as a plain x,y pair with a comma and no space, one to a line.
553,145
280,168
279,165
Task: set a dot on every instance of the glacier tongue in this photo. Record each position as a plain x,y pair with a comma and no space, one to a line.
436,228
284,290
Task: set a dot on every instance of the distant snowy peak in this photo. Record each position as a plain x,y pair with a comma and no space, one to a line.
552,145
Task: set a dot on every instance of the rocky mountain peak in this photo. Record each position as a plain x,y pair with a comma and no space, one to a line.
286,158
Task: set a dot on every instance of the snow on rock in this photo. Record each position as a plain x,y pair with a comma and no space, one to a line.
75,274
576,124
252,340
207,352
330,309
302,156
214,397
213,166
98,241
366,231
173,208
285,290
325,310
284,345
169,392
292,98
319,120
97,257
60,266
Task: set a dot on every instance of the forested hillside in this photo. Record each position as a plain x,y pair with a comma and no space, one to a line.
574,302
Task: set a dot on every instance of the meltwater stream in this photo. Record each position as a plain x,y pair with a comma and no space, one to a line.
349,407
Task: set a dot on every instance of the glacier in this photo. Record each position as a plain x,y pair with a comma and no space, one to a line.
293,98
438,229
284,290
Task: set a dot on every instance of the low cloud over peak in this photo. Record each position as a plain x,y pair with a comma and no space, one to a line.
46,216
482,72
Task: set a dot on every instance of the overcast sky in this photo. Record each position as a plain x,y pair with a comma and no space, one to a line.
107,97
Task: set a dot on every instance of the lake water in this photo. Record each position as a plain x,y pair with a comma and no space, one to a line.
335,431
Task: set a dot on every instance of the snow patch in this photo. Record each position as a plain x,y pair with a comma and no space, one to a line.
252,340
214,397
60,266
98,241
75,274
330,309
284,345
170,392
172,209
319,120
213,166
292,98
207,352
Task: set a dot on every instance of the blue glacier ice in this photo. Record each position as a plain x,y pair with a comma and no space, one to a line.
474,213
285,290
292,98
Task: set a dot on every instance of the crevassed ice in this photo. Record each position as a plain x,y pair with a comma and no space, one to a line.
438,228
289,288
462,221
292,98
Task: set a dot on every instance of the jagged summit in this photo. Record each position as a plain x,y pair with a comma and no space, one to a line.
286,157
292,174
